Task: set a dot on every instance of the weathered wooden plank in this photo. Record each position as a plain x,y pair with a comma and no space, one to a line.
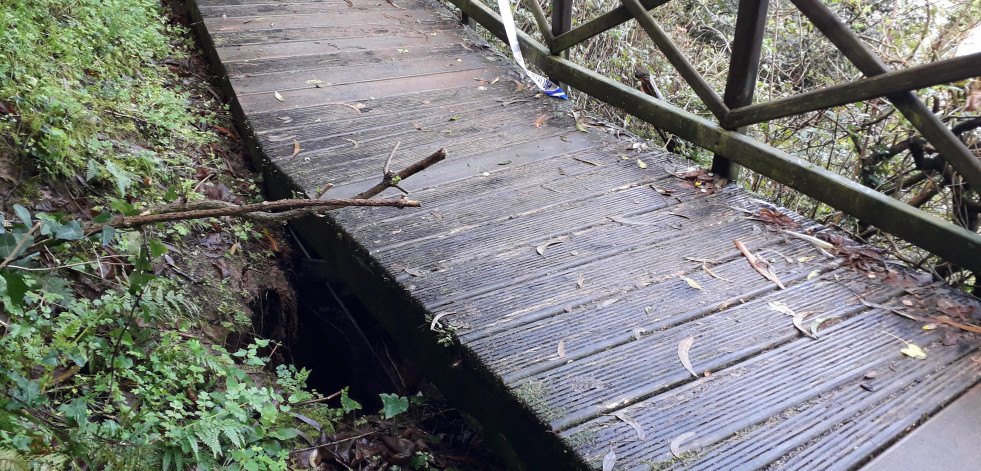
471,150
368,89
233,36
340,18
269,10
410,64
634,371
409,104
752,391
474,200
529,285
323,141
587,331
218,3
275,58
894,397
913,78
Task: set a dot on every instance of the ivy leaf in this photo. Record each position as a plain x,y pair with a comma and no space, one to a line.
102,218
171,194
156,248
393,404
108,232
23,214
347,403
77,411
70,231
16,288
9,242
49,225
124,207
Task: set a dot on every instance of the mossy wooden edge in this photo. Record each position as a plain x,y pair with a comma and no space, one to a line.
522,441
943,238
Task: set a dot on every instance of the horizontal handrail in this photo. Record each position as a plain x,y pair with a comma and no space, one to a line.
930,232
913,78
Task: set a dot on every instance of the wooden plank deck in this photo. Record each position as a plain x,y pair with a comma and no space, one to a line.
567,351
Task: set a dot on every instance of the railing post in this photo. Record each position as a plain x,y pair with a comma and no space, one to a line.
561,23
744,67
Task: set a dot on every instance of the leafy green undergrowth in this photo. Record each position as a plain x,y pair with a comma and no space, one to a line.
79,78
106,355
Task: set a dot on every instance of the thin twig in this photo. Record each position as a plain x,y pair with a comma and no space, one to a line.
388,161
20,245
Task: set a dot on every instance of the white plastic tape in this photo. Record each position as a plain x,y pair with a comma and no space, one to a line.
544,84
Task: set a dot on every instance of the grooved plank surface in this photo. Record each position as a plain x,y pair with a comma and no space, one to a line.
570,268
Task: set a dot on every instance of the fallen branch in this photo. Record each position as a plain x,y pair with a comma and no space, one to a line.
277,211
292,208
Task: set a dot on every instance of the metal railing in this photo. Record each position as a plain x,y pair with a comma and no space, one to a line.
735,109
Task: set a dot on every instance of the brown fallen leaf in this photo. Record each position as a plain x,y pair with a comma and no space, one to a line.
252,20
419,127
541,120
683,349
759,264
296,148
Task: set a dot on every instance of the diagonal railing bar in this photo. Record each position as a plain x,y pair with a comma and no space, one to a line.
598,25
677,59
744,68
934,130
539,14
913,78
943,238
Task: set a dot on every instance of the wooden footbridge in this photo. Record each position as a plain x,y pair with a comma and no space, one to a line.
581,295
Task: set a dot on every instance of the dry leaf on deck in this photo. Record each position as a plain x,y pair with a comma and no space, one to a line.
296,148
609,460
278,96
541,248
914,351
692,283
641,164
541,120
561,349
439,316
781,308
758,264
683,349
633,423
676,443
